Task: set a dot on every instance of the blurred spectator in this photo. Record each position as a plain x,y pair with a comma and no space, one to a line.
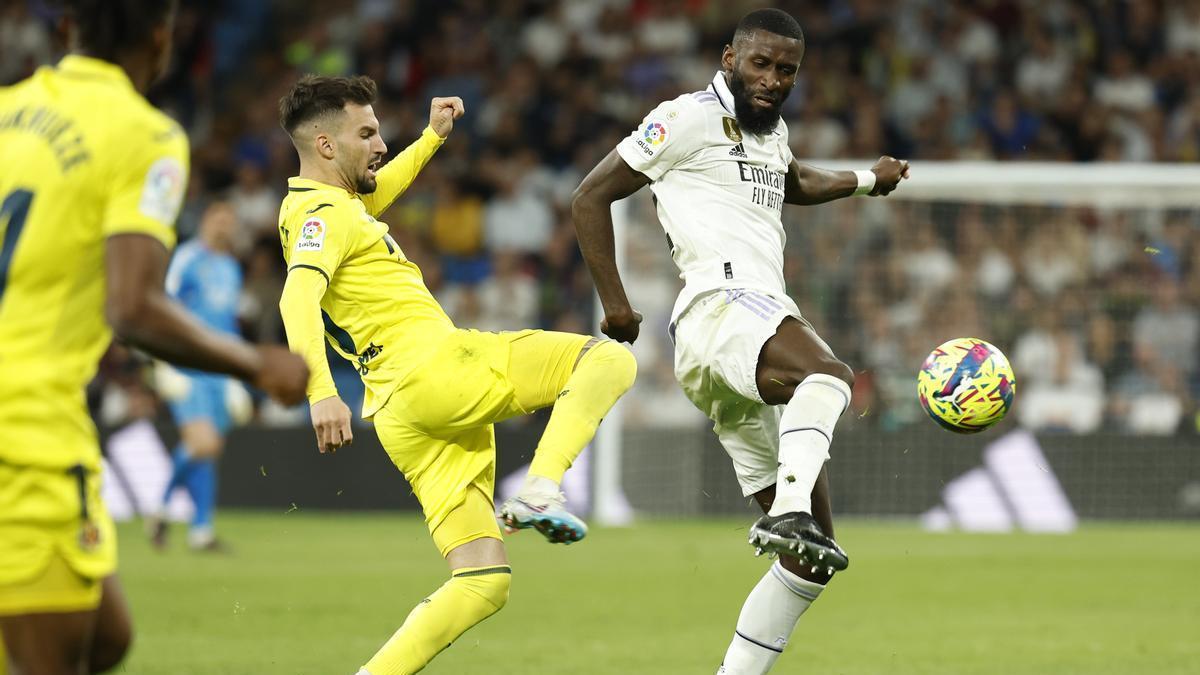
1183,26
258,308
1150,398
1167,332
506,300
26,42
1054,257
927,263
254,201
1043,71
1067,397
1122,86
517,218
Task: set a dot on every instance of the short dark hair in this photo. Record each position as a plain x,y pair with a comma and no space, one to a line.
109,27
314,96
771,20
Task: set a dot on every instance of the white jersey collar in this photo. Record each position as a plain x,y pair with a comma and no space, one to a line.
721,89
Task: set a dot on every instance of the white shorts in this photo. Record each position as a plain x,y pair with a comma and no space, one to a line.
717,344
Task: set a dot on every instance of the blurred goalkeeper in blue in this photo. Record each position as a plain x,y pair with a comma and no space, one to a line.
206,278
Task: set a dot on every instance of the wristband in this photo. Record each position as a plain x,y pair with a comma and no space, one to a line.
866,182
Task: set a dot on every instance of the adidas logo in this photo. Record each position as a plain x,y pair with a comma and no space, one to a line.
738,151
1015,488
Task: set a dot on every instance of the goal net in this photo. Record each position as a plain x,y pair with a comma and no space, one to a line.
1086,276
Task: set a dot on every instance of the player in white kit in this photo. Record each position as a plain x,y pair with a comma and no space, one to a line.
720,169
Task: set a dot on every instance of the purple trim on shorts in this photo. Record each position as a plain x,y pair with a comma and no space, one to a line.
759,303
758,311
767,300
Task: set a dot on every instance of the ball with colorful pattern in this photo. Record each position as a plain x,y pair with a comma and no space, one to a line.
966,385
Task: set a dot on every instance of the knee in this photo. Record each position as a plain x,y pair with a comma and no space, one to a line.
110,647
831,371
500,587
837,369
492,588
618,363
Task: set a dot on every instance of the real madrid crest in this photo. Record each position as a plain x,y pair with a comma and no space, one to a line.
732,132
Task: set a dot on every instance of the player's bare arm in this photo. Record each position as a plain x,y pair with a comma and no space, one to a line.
141,312
807,184
591,210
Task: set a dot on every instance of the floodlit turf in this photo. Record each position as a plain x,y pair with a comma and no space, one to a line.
311,593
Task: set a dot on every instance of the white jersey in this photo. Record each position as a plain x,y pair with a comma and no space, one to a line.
719,192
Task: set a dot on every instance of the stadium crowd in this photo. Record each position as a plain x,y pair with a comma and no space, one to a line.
1097,310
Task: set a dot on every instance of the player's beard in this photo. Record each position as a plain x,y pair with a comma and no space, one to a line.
365,185
753,119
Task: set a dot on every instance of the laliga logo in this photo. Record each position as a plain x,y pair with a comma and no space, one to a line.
312,229
312,235
655,134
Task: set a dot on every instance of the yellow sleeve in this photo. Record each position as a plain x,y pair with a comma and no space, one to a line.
300,306
146,182
395,177
320,239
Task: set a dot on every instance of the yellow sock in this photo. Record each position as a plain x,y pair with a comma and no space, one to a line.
471,595
604,373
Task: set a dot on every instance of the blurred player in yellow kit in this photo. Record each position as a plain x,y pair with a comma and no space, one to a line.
433,390
90,187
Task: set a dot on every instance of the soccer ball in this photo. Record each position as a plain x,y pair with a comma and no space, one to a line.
966,385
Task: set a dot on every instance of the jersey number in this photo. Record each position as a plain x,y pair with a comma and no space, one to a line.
13,212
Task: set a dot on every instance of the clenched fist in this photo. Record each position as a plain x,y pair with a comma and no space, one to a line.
443,112
888,173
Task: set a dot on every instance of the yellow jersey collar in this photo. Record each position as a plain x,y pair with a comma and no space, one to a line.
298,184
92,68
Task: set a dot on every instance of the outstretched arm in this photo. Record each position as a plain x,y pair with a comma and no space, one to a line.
141,313
809,185
591,211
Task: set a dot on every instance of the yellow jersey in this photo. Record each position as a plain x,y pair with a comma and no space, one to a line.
86,157
376,311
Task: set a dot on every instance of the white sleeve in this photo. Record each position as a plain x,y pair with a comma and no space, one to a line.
667,136
787,145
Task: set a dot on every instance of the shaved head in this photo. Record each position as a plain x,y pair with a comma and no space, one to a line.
774,21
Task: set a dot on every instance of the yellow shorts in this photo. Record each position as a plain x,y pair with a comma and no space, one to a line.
437,425
54,552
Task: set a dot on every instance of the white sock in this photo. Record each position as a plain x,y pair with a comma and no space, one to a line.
805,431
539,485
767,621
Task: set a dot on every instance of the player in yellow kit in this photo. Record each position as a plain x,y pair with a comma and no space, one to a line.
90,186
432,389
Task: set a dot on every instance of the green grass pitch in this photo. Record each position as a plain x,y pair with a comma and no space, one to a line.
317,593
